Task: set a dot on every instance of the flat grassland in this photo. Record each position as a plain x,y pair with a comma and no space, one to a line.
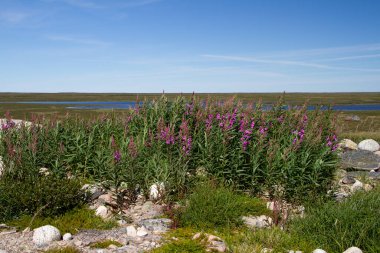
367,127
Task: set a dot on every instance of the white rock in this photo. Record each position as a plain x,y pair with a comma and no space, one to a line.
46,234
369,144
261,221
131,231
67,237
348,144
102,211
44,171
141,231
3,251
357,186
156,191
1,166
353,250
319,251
377,153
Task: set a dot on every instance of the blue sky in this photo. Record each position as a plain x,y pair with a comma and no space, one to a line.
189,45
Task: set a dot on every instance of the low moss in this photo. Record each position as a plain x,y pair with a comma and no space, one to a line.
70,222
105,244
68,249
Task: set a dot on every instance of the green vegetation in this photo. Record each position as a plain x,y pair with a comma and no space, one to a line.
287,153
105,244
41,196
180,241
336,227
211,206
68,249
71,222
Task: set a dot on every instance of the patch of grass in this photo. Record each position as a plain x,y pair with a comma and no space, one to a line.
335,227
212,206
70,222
105,244
245,240
68,249
180,241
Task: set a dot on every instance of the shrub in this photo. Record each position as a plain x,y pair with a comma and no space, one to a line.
214,206
71,222
45,196
338,226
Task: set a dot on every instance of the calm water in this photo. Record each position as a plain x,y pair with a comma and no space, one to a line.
129,104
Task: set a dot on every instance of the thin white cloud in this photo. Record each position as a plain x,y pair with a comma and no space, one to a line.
326,51
13,17
76,40
285,62
355,57
257,60
93,4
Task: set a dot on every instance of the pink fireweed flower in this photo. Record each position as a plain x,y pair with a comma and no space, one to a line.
184,136
9,124
117,156
281,119
209,122
132,149
263,130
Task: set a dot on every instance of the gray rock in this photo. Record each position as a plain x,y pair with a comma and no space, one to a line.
141,231
156,225
131,231
360,160
102,211
67,237
353,250
261,221
369,145
348,180
3,251
357,186
352,118
347,144
46,234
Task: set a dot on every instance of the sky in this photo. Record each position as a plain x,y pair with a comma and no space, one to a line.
189,45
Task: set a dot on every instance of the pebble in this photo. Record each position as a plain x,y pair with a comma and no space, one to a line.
67,237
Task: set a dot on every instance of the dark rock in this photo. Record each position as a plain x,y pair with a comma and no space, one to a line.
348,180
360,160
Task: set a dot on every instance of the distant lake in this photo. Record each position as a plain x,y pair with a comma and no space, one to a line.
93,105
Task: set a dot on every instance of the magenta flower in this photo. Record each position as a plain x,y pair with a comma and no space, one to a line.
117,156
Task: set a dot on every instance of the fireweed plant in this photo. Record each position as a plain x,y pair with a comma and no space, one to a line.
283,152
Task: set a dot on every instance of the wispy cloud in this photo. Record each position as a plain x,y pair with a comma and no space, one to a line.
13,17
285,62
355,57
258,60
76,40
94,4
86,4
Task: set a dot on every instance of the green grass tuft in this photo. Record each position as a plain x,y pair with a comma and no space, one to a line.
70,222
105,244
68,249
338,226
212,206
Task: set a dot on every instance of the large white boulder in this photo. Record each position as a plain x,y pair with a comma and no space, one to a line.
369,145
46,234
353,250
